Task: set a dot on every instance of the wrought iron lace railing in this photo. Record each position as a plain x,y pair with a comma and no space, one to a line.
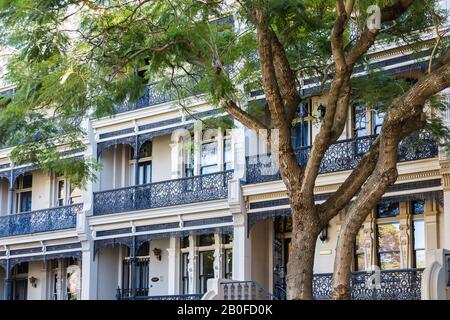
341,156
40,220
142,294
402,284
206,187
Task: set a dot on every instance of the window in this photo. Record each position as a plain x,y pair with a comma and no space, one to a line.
418,207
146,150
377,121
66,193
228,264
388,245
185,273
206,240
360,120
386,210
419,243
188,155
206,268
300,136
209,157
185,242
145,172
141,275
359,251
61,192
227,154
24,193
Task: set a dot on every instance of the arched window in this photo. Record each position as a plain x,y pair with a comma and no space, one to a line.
146,150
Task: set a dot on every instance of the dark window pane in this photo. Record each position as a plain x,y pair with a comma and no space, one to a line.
146,150
227,238
25,201
185,242
144,249
418,207
228,267
185,272
360,120
206,240
209,157
206,269
27,181
227,154
388,210
378,118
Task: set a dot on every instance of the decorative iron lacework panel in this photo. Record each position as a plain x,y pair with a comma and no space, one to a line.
128,240
124,295
448,269
341,156
40,221
207,187
402,284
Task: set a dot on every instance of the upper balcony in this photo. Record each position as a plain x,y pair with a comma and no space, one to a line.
207,187
33,201
341,156
46,220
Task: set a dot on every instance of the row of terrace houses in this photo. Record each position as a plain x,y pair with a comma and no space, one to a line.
168,221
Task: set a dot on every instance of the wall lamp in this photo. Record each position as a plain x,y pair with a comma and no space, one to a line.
324,234
157,253
33,281
322,109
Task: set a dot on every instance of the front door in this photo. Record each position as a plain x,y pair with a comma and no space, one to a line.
19,289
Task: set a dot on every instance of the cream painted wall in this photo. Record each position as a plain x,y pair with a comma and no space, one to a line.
161,159
36,269
158,268
261,255
325,251
106,177
41,191
4,197
108,264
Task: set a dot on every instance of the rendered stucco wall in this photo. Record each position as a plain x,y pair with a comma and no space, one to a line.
108,263
161,159
36,270
41,191
261,253
159,269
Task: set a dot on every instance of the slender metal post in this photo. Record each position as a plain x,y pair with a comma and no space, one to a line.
133,268
11,192
8,281
136,157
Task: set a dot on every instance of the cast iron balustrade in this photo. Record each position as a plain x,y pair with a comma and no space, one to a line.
152,97
40,221
125,294
244,290
341,156
402,284
206,187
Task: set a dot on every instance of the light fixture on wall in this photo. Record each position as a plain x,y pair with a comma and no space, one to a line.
322,110
324,234
33,281
157,253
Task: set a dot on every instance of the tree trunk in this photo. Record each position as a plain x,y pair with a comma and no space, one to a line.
342,266
301,258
